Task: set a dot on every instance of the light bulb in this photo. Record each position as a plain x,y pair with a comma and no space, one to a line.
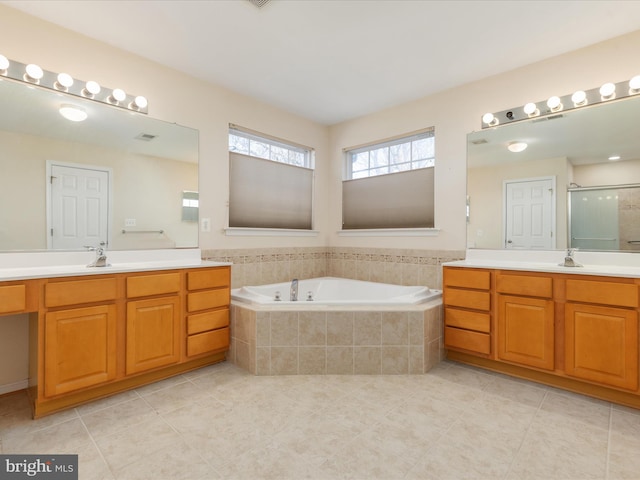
64,81
489,119
608,91
579,98
34,72
634,84
141,102
530,109
4,63
554,103
91,88
118,95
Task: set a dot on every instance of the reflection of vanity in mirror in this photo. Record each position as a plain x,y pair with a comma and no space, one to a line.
586,201
144,170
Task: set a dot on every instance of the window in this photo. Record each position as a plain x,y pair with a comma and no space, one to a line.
270,182
392,156
390,184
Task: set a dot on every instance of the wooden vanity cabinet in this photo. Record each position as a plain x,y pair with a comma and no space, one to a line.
95,335
578,332
525,320
601,332
467,306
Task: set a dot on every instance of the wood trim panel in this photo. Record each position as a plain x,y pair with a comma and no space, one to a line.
473,299
208,342
208,278
156,284
605,293
201,322
527,285
207,299
13,298
58,294
478,321
466,278
467,340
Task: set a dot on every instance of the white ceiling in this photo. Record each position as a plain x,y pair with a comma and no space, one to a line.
333,60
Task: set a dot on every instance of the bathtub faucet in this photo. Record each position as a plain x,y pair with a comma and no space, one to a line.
294,290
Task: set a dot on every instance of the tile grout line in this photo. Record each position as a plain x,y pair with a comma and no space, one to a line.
607,464
95,444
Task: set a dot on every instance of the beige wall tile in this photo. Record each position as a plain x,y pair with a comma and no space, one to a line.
244,356
284,360
395,328
263,329
339,360
367,328
284,329
312,328
367,360
312,360
416,328
263,361
339,328
394,360
416,359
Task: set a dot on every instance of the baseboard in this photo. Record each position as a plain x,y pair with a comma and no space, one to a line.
14,387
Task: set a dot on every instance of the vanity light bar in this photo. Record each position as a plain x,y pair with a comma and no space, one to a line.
34,75
555,105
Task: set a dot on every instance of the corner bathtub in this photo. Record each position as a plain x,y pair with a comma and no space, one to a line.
350,327
335,291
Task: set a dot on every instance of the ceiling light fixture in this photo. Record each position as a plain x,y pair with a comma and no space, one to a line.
73,113
550,108
517,147
33,74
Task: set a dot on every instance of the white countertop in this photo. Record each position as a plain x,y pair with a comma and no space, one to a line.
30,265
611,264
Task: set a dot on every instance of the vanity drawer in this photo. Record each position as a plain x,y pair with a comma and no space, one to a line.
207,299
201,322
467,340
526,285
157,284
604,293
13,298
57,294
208,342
467,299
477,321
208,278
467,278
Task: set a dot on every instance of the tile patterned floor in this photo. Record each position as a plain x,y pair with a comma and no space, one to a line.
219,422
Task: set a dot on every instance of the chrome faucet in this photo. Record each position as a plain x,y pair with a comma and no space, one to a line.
294,290
101,256
569,261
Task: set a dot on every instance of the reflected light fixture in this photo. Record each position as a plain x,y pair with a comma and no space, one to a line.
555,104
33,74
613,158
73,112
517,147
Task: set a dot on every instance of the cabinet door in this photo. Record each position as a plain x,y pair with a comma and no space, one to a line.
601,345
153,333
79,348
525,331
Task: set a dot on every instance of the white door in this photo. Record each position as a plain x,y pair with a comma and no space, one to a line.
530,214
78,206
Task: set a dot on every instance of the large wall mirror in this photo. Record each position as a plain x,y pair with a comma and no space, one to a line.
562,190
118,177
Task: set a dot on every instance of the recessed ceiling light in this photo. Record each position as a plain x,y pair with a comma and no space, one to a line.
517,147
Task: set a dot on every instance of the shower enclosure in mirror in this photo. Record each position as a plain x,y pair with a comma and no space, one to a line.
117,177
546,196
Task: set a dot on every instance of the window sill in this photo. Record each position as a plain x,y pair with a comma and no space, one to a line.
390,232
268,232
